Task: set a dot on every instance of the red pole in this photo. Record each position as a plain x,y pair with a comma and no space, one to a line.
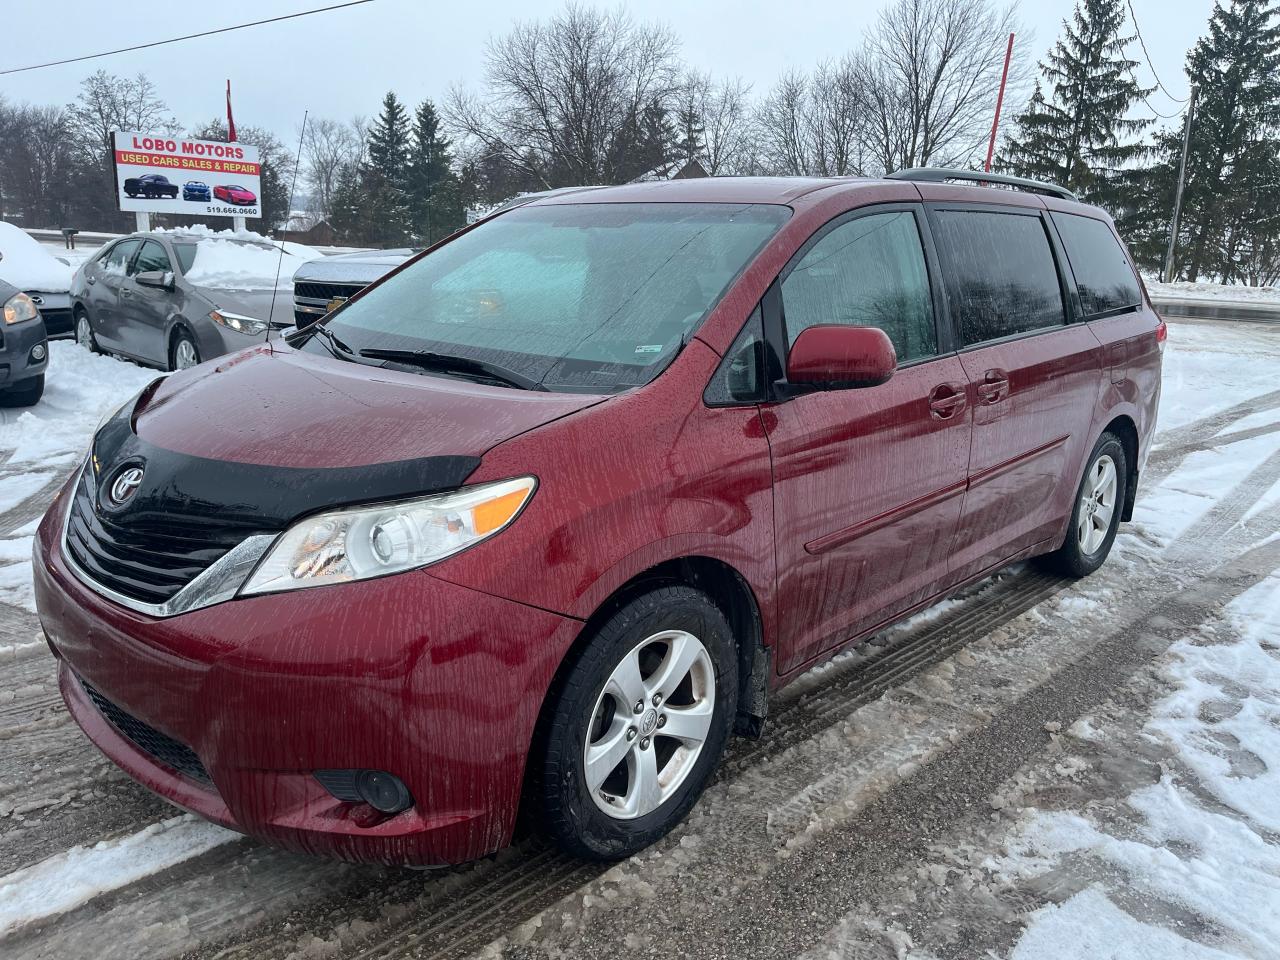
995,124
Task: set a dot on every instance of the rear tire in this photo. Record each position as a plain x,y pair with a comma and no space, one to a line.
671,655
26,394
1095,517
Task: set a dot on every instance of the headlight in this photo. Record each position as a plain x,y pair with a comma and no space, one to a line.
20,307
238,322
363,542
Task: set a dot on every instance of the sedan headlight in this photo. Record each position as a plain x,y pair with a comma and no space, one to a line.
238,322
20,307
363,542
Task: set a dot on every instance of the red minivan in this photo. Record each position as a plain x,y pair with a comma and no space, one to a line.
542,517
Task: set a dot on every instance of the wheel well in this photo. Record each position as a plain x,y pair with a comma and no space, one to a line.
179,327
1124,428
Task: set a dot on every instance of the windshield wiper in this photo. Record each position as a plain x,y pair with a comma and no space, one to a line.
467,366
332,342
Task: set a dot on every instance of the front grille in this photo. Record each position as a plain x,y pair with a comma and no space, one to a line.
149,556
161,747
56,321
307,290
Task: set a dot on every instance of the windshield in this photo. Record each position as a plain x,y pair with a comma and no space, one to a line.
576,297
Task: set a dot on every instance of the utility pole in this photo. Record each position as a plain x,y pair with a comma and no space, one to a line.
1177,197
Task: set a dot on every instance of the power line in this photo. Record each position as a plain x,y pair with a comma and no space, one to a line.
190,36
1150,66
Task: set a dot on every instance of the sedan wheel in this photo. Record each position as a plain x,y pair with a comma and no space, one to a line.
650,724
185,356
84,333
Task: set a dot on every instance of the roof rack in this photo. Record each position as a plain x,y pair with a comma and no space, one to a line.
942,174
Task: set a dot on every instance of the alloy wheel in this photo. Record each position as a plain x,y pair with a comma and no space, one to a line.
84,332
1097,505
649,724
184,355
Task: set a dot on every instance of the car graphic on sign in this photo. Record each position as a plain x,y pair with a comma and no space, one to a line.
195,190
150,185
231,193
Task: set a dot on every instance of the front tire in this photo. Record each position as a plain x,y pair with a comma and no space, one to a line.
1095,518
183,352
84,332
636,726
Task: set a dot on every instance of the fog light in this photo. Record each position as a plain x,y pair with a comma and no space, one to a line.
383,791
38,352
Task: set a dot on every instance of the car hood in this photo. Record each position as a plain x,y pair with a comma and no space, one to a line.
361,268
276,406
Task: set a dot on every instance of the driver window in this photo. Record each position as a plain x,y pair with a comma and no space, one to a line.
866,272
152,257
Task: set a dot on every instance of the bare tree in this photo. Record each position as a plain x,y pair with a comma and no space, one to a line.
329,147
722,110
816,125
932,72
577,99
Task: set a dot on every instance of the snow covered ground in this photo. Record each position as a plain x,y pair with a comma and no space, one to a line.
1031,770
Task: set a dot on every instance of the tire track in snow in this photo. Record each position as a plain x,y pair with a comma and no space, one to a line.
521,892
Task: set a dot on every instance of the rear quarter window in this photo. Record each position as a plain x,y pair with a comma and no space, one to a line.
1104,277
1002,277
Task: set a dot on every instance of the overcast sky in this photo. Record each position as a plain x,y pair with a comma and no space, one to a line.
339,64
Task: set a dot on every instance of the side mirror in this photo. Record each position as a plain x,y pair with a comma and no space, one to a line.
155,278
836,357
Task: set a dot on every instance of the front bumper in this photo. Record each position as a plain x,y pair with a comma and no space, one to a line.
435,683
16,343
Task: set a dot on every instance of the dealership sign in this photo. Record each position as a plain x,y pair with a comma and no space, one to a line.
162,174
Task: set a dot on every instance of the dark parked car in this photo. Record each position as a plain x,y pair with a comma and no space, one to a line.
150,185
324,284
545,515
195,190
230,193
141,297
24,352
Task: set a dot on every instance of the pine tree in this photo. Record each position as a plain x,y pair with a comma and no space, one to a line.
384,217
435,196
1079,135
692,133
1230,206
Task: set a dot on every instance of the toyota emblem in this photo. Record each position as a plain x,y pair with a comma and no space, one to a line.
127,482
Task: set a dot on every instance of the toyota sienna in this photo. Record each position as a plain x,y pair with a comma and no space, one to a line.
540,519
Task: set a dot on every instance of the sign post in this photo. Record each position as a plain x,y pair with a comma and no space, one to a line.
156,173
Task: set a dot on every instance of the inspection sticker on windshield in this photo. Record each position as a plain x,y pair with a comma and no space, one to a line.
649,348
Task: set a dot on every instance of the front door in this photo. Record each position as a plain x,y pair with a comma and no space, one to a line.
146,309
1036,380
868,483
105,278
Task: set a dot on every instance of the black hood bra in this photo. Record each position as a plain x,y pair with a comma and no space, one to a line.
267,497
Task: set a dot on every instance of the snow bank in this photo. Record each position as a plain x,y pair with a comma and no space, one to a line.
27,265
76,876
1231,292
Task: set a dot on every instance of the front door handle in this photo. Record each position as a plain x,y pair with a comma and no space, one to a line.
946,400
994,387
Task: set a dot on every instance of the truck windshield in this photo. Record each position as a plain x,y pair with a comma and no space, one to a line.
592,297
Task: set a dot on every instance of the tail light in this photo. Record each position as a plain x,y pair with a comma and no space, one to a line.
1162,334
